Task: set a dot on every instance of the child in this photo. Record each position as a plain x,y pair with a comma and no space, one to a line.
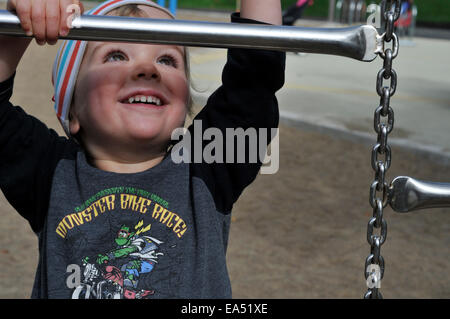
115,216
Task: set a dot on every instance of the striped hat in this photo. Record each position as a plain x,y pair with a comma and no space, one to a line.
69,58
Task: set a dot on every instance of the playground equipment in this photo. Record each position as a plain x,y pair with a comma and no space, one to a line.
364,43
172,5
359,42
350,11
358,11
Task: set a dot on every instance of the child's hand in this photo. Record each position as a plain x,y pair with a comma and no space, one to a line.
46,20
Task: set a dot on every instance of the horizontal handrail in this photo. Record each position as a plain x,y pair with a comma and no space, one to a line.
408,194
359,42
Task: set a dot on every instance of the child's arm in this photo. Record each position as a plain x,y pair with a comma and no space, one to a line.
29,150
268,11
44,19
246,100
9,59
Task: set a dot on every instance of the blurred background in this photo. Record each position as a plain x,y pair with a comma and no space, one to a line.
432,12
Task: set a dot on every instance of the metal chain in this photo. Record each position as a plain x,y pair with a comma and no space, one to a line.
381,152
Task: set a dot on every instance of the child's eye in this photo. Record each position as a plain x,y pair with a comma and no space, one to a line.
115,56
168,60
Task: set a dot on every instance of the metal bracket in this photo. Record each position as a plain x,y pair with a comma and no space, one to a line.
408,194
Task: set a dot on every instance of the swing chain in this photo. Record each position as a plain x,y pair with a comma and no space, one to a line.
381,152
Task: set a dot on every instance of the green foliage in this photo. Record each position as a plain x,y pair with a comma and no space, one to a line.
318,9
433,10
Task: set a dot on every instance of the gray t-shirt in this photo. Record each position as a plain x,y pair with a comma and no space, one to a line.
159,229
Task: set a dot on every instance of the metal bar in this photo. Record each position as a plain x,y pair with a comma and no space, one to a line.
360,43
408,194
331,9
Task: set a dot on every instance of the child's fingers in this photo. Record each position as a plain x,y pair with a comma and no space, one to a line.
38,8
46,19
52,17
23,11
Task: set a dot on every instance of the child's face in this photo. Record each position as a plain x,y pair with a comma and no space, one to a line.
111,74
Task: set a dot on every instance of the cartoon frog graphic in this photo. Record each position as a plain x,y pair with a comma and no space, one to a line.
141,253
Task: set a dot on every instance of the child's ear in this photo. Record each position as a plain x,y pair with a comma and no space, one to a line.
74,124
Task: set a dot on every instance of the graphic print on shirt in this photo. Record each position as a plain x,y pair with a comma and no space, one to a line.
137,237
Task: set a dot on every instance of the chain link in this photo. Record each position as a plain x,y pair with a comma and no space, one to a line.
381,152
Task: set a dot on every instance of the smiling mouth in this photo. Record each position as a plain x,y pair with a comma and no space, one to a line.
143,100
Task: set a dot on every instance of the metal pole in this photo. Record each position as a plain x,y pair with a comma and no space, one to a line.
331,8
408,194
173,7
360,42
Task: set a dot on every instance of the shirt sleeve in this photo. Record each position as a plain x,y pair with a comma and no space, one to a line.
29,154
246,99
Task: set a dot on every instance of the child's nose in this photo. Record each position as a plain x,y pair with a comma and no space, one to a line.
147,71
